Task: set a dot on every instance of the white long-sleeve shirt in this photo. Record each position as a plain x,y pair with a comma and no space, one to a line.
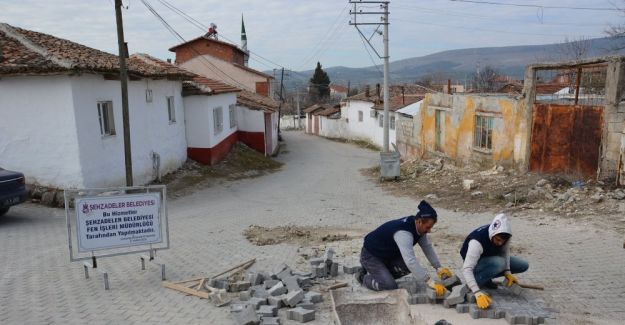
474,252
404,240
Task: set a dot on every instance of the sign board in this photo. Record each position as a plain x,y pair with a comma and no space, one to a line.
105,222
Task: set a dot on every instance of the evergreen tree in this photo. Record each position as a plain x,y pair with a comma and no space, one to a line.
319,85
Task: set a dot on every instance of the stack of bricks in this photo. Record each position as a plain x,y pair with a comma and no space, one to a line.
324,267
266,294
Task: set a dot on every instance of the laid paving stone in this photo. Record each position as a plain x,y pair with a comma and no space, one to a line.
300,315
515,288
418,299
449,282
462,308
267,311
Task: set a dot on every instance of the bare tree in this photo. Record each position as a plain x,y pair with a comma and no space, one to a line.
485,80
575,49
617,32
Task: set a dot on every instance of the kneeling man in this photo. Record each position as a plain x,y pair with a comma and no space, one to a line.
486,255
388,254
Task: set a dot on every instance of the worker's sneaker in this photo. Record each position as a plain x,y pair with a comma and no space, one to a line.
490,285
360,275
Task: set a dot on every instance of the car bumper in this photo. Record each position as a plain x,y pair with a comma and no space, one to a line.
14,198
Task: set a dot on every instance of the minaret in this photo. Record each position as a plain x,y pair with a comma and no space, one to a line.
246,57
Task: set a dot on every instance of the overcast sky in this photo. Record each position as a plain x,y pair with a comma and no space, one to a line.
297,33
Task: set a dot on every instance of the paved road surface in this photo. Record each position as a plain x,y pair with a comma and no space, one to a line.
583,267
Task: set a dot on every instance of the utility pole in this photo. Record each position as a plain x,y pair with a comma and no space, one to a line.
123,77
384,22
299,114
281,101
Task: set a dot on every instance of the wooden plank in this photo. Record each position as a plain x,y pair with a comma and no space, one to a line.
184,289
199,286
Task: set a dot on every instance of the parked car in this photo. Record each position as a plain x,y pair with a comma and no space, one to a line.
12,189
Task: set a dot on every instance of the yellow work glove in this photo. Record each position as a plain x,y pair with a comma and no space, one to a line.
511,279
444,273
482,300
437,287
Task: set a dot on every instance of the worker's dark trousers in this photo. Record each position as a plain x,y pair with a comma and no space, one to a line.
381,274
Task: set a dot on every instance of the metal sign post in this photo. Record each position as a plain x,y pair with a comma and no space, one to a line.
113,222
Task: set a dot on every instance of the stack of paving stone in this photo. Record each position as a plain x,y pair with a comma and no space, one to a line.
507,302
267,293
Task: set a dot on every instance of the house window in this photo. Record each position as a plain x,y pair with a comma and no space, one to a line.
171,109
105,115
218,119
483,136
392,126
233,117
360,116
381,120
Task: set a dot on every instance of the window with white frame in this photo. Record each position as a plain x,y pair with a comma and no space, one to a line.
392,120
360,116
233,117
105,116
381,120
483,136
218,119
171,109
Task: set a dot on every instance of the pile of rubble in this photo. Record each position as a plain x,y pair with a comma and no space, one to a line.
262,295
471,189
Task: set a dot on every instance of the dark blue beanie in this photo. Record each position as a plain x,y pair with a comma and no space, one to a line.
426,211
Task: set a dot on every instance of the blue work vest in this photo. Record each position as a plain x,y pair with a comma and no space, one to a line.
380,242
481,235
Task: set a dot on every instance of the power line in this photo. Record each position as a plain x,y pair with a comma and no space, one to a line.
537,6
478,29
203,27
446,12
176,34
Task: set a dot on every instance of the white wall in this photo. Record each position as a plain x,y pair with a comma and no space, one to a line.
199,119
38,130
102,158
332,128
250,120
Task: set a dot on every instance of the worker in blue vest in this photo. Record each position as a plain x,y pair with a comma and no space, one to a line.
388,254
486,255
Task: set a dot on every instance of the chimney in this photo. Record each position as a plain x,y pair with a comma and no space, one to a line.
367,93
168,60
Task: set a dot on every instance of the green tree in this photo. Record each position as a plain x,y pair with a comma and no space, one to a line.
319,85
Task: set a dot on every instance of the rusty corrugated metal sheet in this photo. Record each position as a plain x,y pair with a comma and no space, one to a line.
566,139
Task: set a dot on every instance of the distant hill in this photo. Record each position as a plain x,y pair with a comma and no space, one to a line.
458,64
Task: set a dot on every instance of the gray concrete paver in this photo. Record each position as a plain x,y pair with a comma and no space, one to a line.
320,184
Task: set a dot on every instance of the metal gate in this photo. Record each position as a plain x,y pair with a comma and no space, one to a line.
566,139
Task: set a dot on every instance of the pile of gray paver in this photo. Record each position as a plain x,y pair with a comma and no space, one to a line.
262,294
508,302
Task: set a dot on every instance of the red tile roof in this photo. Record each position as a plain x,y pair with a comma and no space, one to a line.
328,111
399,102
339,88
173,49
26,52
257,102
394,90
205,86
316,107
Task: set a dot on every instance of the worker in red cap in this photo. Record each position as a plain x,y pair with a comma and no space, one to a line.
388,253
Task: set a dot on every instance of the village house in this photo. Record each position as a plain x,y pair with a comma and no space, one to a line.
312,120
218,60
577,131
61,111
211,119
330,124
338,92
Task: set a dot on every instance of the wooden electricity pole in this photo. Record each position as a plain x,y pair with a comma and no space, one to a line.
123,77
